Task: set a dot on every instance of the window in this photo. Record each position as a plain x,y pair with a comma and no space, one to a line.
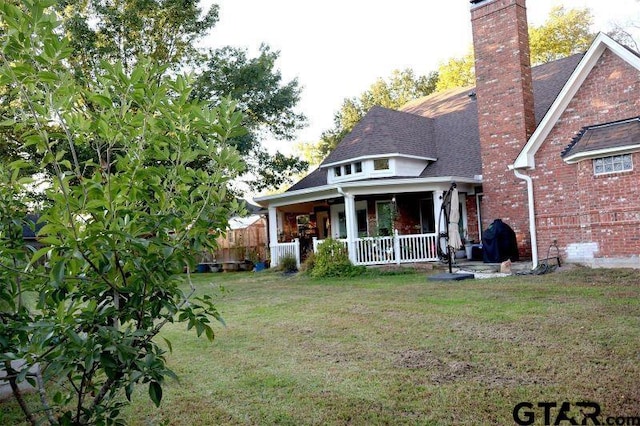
303,224
386,217
361,218
337,171
612,164
358,167
381,164
347,169
427,215
342,225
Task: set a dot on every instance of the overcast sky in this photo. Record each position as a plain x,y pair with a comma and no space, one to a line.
338,48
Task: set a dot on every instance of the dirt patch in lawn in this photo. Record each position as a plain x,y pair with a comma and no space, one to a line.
417,358
445,371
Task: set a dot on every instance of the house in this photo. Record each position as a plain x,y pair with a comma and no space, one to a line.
548,149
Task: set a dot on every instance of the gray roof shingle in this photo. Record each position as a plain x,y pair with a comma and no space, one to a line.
385,131
443,125
618,134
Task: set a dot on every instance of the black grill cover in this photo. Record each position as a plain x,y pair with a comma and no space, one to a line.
499,243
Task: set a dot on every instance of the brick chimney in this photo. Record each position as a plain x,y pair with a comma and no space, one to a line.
505,109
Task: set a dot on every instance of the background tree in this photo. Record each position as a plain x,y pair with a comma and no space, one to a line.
564,33
119,227
400,88
165,32
457,72
267,104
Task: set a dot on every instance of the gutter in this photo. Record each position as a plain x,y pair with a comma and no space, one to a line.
532,217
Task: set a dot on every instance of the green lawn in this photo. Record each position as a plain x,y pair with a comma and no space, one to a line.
400,349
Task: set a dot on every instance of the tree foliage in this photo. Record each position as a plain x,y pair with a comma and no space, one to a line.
267,103
400,88
457,72
565,32
165,32
118,228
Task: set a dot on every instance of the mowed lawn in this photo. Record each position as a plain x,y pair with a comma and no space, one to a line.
399,349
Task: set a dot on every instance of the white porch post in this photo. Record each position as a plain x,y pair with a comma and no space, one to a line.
440,224
396,246
273,235
437,205
352,227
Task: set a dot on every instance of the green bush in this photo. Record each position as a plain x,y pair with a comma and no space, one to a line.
288,263
309,263
332,260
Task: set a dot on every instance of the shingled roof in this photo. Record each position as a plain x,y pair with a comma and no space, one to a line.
384,131
607,136
443,126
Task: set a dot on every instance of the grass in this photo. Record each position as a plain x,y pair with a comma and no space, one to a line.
398,349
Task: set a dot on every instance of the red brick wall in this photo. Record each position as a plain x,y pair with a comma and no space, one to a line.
574,206
505,110
472,218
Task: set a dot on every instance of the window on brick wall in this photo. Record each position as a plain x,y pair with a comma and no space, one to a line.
612,164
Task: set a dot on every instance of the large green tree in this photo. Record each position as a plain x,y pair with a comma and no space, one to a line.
267,103
165,32
400,88
120,225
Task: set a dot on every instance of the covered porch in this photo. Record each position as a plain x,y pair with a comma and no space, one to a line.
382,223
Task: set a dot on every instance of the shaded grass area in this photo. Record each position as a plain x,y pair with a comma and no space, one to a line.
398,349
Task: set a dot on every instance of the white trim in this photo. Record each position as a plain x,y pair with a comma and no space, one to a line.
365,187
606,152
374,157
602,42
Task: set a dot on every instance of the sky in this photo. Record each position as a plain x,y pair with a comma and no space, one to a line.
338,48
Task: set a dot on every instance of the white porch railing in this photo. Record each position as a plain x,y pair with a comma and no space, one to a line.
394,249
418,248
376,250
280,250
317,242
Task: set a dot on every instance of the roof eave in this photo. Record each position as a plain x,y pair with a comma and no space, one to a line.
331,191
370,157
525,159
586,155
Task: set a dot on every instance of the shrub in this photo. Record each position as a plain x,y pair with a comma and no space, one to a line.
309,263
332,260
288,263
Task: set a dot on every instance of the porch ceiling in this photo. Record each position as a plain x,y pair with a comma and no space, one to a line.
302,208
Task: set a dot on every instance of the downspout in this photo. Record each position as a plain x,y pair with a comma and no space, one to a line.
532,217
